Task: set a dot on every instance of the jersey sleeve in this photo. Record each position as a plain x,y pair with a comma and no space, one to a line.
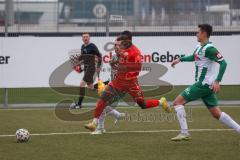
98,54
189,58
96,51
213,54
113,59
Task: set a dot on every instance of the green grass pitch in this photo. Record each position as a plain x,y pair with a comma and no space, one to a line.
150,143
47,95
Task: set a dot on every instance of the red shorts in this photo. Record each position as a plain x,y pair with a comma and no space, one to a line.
131,87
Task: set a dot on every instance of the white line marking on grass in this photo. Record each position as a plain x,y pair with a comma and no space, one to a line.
89,108
119,132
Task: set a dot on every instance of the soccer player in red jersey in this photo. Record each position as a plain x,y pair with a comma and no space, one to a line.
126,80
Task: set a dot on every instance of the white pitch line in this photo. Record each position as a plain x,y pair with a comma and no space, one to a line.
120,107
118,132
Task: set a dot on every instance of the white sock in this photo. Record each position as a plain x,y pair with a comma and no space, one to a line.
107,111
114,113
226,119
181,116
101,120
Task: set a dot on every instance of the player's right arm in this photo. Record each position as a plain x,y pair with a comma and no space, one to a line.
189,58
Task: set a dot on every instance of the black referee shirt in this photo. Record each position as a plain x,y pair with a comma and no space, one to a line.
88,54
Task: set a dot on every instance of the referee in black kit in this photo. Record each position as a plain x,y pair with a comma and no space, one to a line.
91,59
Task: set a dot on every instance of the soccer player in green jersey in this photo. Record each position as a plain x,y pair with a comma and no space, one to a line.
206,84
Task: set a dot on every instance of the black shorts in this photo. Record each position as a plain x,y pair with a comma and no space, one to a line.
89,75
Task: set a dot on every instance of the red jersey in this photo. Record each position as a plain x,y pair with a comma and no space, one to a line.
129,64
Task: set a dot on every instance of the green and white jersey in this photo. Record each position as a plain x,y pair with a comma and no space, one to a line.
205,58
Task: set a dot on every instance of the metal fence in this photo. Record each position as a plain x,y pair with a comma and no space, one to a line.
72,16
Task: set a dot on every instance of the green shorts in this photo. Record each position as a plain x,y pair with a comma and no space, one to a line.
197,91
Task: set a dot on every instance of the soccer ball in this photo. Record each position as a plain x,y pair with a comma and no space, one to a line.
22,135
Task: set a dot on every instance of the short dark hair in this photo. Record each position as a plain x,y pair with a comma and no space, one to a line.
127,35
86,33
206,28
126,39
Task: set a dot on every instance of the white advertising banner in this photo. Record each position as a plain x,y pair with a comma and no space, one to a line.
29,61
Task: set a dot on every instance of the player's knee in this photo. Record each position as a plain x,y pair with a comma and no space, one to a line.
215,112
176,102
179,101
216,115
141,104
83,83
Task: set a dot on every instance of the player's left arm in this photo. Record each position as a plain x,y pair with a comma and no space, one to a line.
114,62
98,54
213,54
